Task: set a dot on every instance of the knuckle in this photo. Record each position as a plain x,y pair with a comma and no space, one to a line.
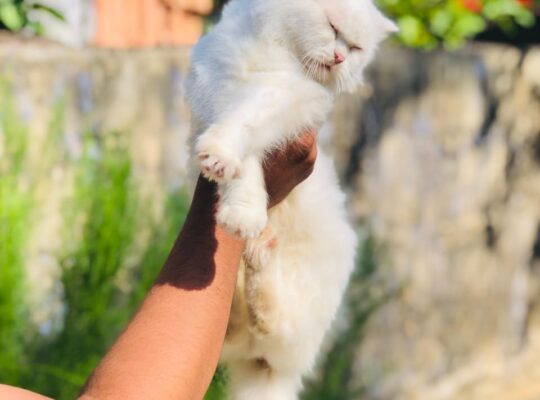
307,171
309,139
307,148
312,156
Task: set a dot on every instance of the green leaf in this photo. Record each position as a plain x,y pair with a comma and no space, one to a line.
413,32
525,18
440,22
49,10
36,27
410,29
11,17
469,25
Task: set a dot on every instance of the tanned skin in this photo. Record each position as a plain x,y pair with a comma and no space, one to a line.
171,347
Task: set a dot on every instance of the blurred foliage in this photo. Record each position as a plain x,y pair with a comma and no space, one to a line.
107,265
428,23
18,187
95,308
218,388
15,15
16,197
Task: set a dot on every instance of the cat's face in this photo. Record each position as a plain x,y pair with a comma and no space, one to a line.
336,39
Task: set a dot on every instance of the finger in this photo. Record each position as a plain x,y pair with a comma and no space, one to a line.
303,148
294,153
313,152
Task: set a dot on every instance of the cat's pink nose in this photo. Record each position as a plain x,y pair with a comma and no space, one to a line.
338,58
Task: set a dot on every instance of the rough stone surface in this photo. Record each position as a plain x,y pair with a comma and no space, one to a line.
441,156
448,178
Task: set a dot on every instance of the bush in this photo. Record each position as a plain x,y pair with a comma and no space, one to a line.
15,15
106,269
428,23
16,197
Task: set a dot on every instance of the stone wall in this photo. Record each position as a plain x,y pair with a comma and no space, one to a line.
441,156
448,177
78,28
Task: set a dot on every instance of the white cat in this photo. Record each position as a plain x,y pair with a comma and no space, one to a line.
269,70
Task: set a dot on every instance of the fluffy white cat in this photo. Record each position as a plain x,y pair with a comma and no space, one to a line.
269,70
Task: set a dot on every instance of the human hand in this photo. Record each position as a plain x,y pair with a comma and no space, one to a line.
285,168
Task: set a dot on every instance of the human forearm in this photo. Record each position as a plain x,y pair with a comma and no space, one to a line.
13,393
171,347
165,352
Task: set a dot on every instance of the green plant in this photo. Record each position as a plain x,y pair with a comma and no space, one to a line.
428,23
100,291
102,222
15,15
16,197
103,208
218,388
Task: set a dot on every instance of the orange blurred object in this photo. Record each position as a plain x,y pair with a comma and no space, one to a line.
148,23
472,5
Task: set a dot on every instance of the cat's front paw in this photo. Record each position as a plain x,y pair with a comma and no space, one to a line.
217,163
246,221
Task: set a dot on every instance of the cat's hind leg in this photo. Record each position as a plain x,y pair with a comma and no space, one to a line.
257,380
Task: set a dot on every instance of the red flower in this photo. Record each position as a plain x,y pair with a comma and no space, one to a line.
476,5
526,3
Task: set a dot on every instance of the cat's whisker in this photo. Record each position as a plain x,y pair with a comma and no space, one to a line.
307,64
313,69
303,60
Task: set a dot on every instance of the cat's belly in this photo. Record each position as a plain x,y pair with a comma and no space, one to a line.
285,306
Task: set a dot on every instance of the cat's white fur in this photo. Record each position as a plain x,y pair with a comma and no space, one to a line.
265,73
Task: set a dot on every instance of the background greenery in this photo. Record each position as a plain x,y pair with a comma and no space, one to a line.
423,24
429,24
101,287
16,15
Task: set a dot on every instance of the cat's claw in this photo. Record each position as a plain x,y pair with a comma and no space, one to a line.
216,164
216,169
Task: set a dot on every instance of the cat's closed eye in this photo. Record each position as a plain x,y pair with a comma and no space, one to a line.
336,32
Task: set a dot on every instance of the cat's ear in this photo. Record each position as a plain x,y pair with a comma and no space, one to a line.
386,25
389,26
